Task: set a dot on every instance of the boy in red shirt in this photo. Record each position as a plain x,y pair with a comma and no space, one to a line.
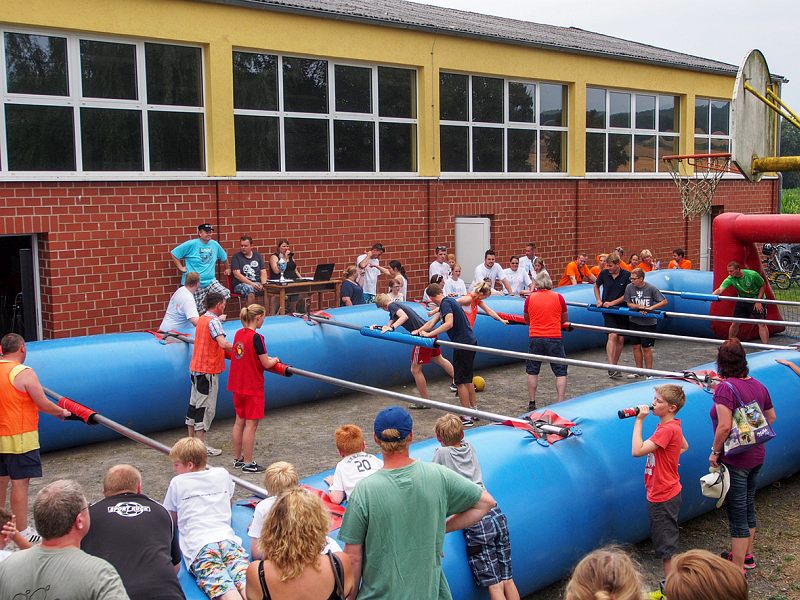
661,479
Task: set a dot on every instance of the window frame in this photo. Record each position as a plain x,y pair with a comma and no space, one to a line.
506,125
709,136
331,116
632,132
76,101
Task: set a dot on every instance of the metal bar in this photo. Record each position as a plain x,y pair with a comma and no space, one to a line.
527,356
717,297
684,338
774,164
795,119
775,107
150,442
470,412
709,317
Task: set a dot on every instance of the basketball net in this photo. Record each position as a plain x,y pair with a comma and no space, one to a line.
697,176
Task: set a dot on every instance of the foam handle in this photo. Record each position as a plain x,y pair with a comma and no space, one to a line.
512,318
78,410
396,336
696,296
280,369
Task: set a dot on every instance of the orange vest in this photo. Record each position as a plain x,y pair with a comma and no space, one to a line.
19,415
207,357
544,313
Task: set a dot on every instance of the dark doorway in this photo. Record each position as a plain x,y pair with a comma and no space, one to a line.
18,312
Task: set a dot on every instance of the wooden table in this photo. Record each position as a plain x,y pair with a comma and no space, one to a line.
281,290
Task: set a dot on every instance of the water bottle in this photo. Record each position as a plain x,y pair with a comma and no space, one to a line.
633,411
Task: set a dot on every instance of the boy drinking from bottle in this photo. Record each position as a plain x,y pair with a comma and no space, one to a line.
661,479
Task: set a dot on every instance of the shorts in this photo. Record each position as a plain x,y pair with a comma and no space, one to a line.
489,549
421,355
463,361
21,466
746,310
664,526
220,567
200,294
546,347
369,298
249,406
644,342
615,321
202,401
244,289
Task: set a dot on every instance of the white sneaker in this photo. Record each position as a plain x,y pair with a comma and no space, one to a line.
632,376
30,534
213,451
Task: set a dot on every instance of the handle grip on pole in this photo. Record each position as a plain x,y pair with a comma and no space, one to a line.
405,338
79,411
281,369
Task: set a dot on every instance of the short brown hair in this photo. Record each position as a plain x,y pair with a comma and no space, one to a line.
672,394
383,300
11,343
732,359
192,278
701,575
190,450
121,478
613,258
349,439
639,272
280,477
449,430
433,290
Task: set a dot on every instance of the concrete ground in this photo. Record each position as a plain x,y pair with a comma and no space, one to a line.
303,435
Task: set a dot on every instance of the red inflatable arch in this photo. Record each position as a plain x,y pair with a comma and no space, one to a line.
735,236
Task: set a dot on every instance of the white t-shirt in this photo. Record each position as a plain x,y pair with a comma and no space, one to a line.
438,268
180,309
518,280
526,264
455,288
403,288
202,500
260,517
352,469
493,274
368,278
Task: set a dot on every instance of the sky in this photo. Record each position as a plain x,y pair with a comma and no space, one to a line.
724,31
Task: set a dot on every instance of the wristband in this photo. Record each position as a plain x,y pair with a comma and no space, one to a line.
715,452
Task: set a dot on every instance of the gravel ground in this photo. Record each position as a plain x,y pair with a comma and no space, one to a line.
303,435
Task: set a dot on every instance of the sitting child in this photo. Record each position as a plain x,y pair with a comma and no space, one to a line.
355,465
279,477
11,540
488,544
199,502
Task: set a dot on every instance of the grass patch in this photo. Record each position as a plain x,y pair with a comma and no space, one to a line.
790,201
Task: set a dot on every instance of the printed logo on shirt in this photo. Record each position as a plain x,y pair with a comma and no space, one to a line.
238,350
128,509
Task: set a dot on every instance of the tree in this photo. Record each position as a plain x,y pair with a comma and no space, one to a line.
790,146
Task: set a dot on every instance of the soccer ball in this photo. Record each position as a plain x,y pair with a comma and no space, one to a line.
479,383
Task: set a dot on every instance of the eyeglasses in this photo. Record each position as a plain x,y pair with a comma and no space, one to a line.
80,511
515,263
441,248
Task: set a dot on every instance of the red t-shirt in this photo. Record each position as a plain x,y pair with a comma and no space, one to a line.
661,479
544,309
247,372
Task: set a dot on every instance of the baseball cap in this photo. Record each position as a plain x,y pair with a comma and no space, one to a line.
393,417
205,227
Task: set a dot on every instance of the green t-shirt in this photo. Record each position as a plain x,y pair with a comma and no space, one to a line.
747,285
398,515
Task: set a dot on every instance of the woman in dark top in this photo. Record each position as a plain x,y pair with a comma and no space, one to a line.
351,293
281,262
294,567
743,467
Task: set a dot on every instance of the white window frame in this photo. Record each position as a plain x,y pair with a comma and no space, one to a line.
707,137
331,116
76,101
505,125
632,132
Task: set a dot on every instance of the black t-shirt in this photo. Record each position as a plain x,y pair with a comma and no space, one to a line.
414,320
249,267
136,535
613,288
461,331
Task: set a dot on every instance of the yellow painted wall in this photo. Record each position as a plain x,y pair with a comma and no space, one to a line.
221,28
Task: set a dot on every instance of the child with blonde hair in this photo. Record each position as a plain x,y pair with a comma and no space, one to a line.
356,463
605,574
454,286
279,477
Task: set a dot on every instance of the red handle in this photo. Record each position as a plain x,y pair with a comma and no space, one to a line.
79,410
280,369
512,318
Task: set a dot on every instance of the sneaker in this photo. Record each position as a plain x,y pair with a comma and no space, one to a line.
418,406
749,559
454,388
253,467
614,374
466,422
30,534
632,376
531,406
238,463
213,451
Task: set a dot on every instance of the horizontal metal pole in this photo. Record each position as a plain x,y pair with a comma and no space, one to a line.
717,297
151,443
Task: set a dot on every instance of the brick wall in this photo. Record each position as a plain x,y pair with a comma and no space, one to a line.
104,246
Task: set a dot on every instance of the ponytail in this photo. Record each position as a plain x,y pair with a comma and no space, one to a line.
250,313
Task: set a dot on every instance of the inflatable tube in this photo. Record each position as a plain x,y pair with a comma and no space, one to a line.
134,380
585,491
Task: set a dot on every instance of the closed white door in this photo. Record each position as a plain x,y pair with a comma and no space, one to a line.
473,239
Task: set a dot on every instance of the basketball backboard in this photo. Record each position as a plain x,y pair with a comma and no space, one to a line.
753,122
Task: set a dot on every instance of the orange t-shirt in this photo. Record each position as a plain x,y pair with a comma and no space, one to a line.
625,265
684,264
573,270
645,267
544,309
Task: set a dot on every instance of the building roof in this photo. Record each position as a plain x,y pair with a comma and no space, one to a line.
448,21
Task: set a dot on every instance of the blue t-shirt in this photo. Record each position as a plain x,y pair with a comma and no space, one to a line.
201,257
414,320
353,291
461,331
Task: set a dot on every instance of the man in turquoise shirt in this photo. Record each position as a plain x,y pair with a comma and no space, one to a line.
748,284
396,519
201,255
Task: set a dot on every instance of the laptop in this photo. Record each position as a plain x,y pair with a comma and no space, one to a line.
323,272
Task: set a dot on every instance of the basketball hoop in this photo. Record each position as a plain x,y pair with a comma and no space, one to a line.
697,176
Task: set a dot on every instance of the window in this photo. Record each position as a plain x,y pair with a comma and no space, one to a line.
712,126
77,105
496,125
629,132
295,114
